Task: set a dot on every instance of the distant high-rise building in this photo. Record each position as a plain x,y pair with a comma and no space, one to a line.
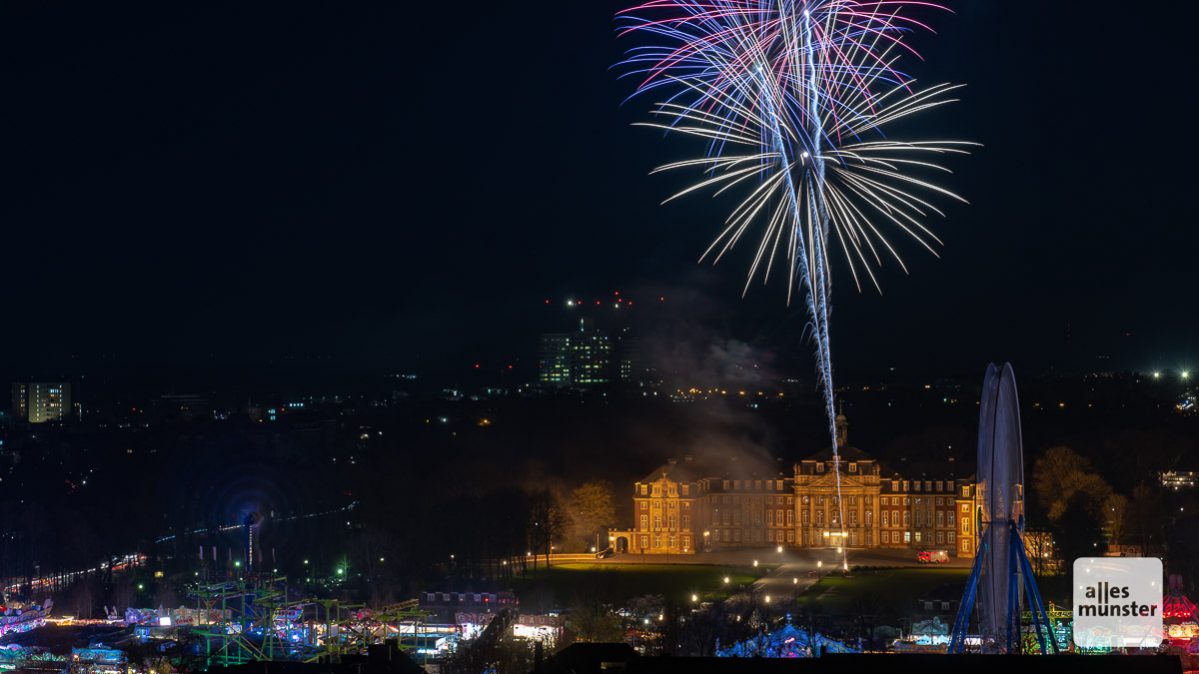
582,358
39,402
553,365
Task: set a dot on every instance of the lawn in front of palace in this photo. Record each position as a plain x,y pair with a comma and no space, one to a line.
894,589
620,582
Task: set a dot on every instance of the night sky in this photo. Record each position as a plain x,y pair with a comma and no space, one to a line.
402,185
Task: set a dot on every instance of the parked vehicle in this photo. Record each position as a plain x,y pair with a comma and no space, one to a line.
932,556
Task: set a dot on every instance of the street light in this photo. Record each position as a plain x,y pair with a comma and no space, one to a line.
795,581
1186,374
726,580
694,598
767,599
780,549
755,563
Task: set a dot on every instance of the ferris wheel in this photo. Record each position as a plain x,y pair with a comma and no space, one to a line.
1001,581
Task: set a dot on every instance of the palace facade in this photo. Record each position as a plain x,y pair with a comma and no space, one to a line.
681,509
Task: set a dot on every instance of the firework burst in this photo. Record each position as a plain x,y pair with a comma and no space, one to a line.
793,99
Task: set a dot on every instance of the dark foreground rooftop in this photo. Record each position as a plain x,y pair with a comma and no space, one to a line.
620,658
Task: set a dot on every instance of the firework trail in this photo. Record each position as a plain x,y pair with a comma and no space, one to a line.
792,98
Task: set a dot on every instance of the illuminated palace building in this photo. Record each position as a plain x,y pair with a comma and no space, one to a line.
681,509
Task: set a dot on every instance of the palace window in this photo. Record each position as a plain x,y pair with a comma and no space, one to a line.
895,517
853,467
853,500
644,489
917,536
950,535
940,518
806,499
790,536
686,489
886,519
940,538
886,537
950,519
790,517
805,518
644,522
870,518
965,526
770,517
965,545
906,519
853,518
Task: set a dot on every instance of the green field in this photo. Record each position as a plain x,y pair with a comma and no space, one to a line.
566,584
895,590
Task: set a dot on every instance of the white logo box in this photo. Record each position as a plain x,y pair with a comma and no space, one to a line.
1118,602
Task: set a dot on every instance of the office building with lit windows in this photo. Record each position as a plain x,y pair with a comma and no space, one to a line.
39,402
575,359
